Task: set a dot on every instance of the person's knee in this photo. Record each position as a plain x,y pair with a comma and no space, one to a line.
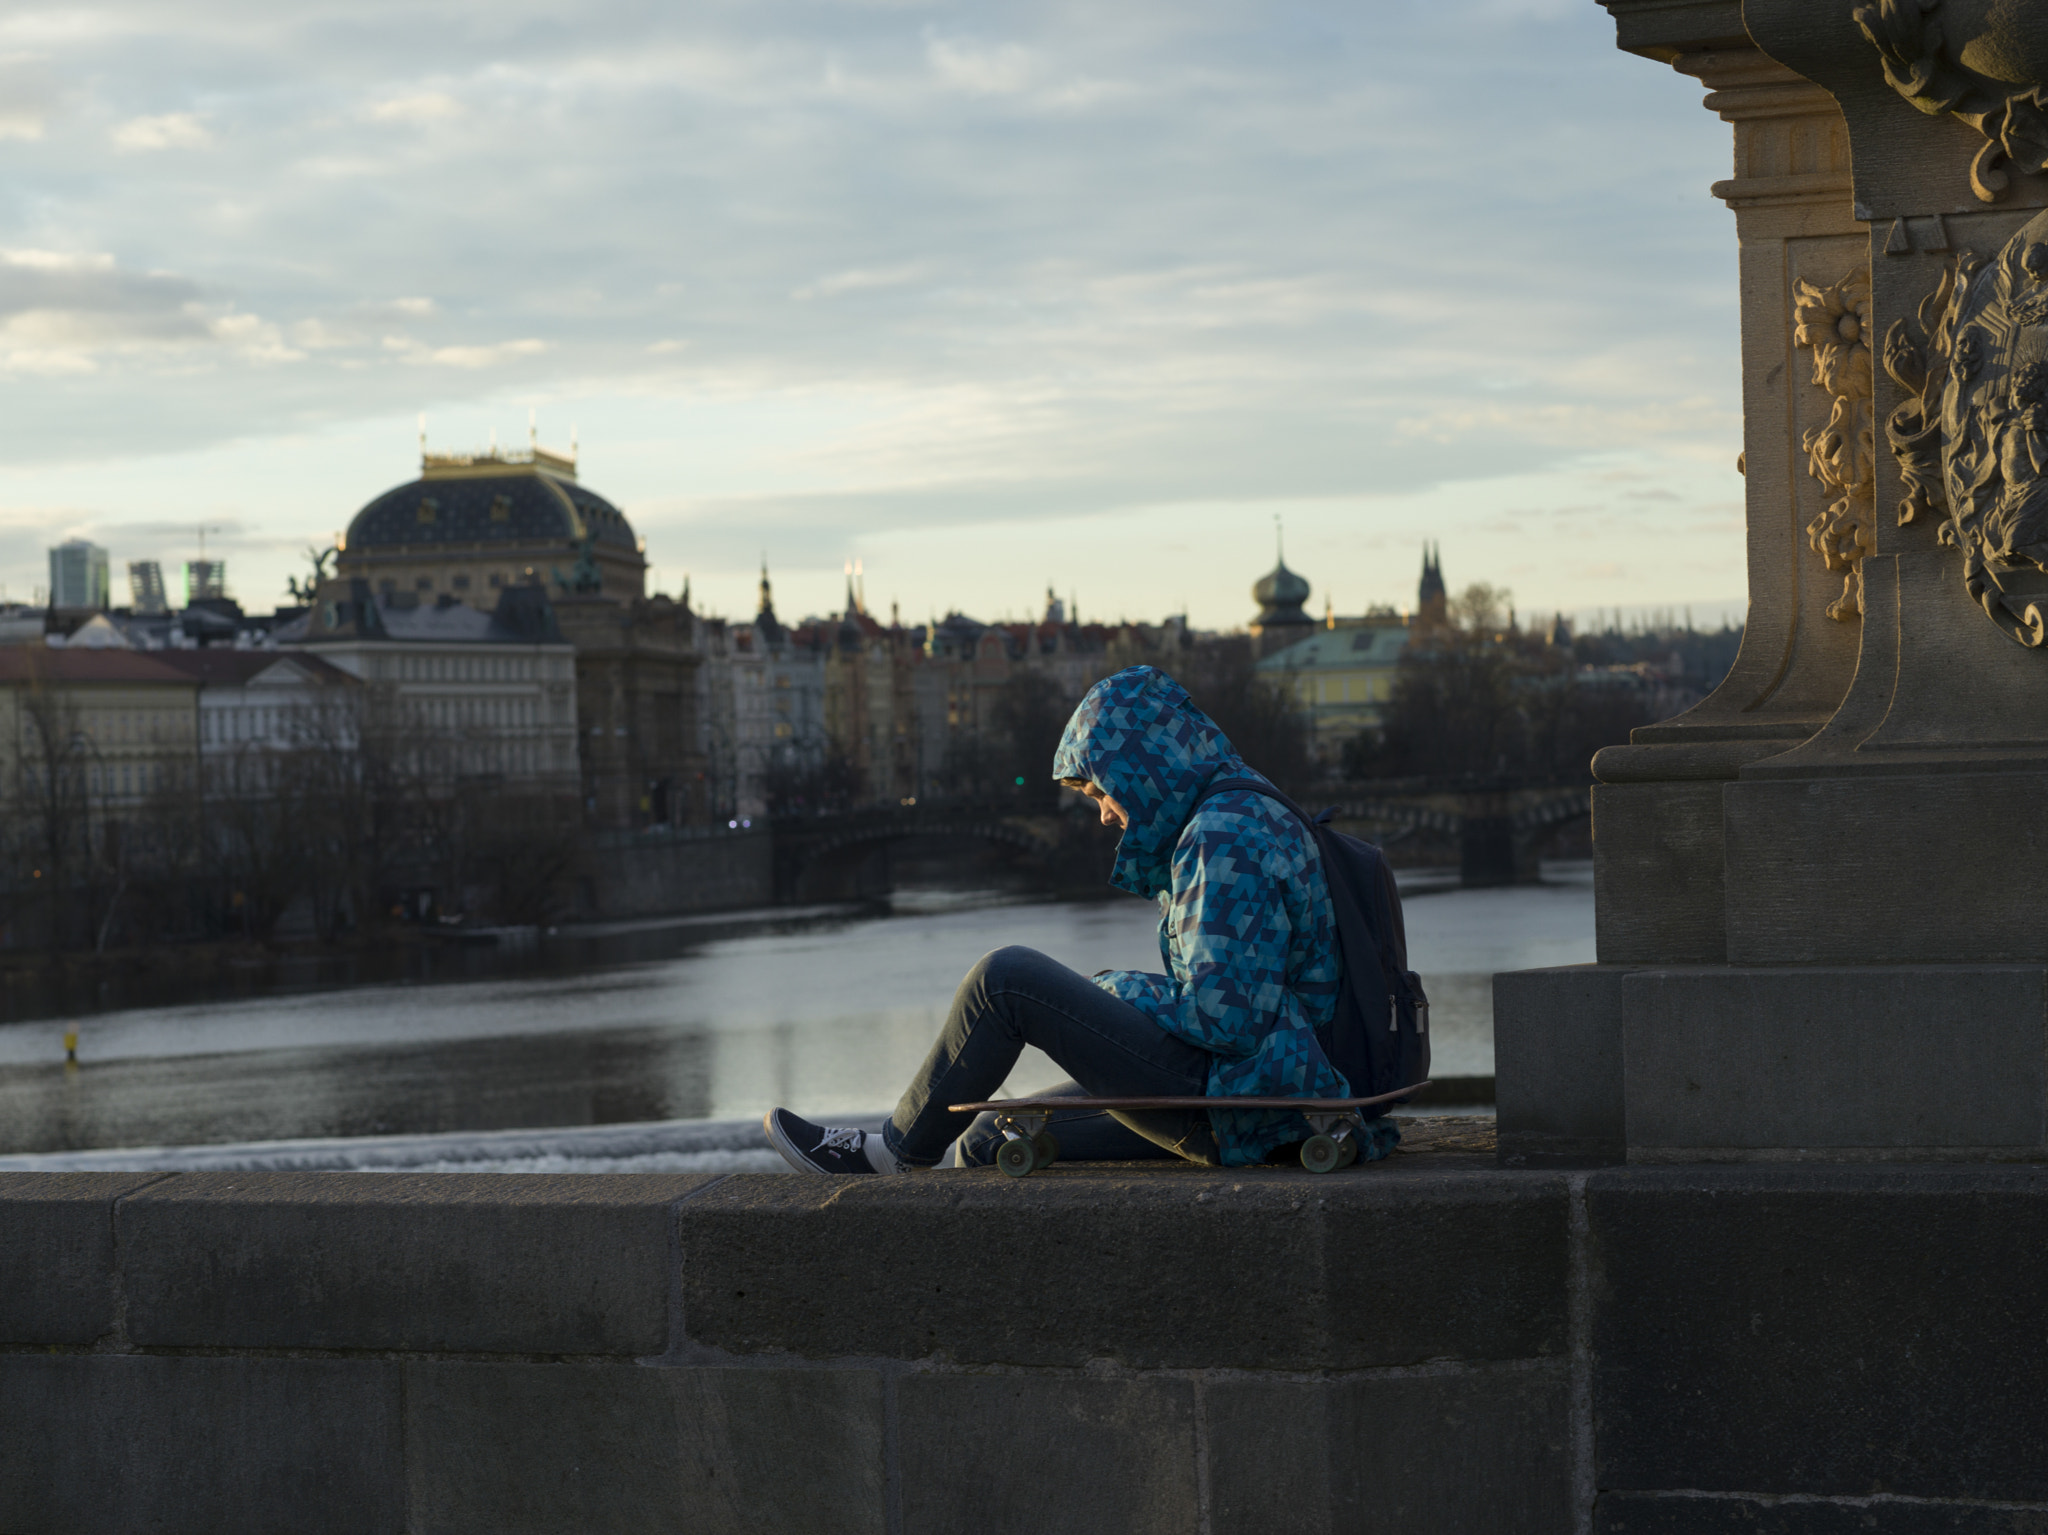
1000,966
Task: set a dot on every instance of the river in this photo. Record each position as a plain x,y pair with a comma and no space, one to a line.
828,1016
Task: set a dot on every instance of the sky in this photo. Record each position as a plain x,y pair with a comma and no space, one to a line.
993,298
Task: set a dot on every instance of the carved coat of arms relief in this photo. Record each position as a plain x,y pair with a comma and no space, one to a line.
1971,439
1834,323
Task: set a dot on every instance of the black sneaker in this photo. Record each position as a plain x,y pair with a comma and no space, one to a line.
813,1148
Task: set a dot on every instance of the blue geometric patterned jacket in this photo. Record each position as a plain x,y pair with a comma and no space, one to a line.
1246,930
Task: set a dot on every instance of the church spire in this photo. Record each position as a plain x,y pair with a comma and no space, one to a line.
1430,592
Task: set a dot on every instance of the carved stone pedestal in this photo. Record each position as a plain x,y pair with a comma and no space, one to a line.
1819,930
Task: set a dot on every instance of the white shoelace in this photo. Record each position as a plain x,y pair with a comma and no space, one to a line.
846,1140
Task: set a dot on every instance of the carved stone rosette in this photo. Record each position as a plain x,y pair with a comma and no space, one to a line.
1834,322
1972,439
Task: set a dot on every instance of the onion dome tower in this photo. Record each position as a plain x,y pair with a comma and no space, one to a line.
1279,594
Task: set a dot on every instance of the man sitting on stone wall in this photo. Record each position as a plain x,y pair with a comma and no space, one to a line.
1249,940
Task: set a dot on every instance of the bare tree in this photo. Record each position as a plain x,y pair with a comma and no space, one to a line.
52,796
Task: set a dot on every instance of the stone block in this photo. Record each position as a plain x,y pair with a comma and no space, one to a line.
1835,1331
1557,1065
1657,873
1026,1454
1257,1268
1896,869
511,1448
57,1254
770,1449
1437,1454
503,1449
1682,1514
449,1262
1881,1058
92,1442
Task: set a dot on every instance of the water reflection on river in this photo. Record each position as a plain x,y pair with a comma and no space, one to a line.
829,1019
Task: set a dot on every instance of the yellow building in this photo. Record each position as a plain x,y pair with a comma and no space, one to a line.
92,733
1340,677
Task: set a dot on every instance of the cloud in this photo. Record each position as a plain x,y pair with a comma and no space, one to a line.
61,311
1002,70
937,268
861,279
492,355
172,130
27,96
418,107
65,312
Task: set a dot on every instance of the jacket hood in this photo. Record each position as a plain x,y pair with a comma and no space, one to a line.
1140,738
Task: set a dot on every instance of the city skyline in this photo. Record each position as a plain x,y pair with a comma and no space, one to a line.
989,299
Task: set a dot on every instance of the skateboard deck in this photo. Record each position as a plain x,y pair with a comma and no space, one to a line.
1029,1145
1318,1105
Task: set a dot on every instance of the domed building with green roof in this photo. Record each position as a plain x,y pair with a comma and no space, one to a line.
475,523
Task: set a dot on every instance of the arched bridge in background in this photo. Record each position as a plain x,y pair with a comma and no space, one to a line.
1497,831
846,857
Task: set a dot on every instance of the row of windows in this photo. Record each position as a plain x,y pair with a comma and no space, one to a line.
482,668
135,725
267,722
460,582
126,778
483,713
1349,690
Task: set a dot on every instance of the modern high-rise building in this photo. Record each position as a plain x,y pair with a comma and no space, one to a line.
78,575
205,578
146,587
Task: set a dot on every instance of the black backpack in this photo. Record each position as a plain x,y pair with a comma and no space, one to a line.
1379,1035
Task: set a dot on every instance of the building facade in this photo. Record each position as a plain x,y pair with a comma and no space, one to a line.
774,707
78,575
450,695
476,527
146,592
88,735
1340,678
256,708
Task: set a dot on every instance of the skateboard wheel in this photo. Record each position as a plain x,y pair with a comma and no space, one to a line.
1348,1150
1017,1158
1319,1154
1047,1148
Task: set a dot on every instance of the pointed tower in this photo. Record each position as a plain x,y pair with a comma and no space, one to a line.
1432,602
766,625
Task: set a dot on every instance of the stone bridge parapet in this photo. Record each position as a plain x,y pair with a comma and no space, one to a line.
1436,1345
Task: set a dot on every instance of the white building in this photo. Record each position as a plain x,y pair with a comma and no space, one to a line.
256,707
456,694
763,707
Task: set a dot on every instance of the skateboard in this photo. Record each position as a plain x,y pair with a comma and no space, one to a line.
1028,1145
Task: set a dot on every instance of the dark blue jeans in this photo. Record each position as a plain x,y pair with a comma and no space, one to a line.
1016,997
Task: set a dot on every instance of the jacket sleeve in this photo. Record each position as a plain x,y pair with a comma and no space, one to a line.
1232,933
